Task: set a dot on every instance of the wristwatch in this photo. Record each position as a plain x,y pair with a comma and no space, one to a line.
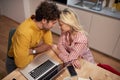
34,51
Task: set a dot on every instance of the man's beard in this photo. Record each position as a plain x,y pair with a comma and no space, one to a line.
45,28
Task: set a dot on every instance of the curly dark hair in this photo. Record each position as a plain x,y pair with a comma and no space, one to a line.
47,10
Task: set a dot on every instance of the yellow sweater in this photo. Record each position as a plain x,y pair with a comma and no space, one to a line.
27,36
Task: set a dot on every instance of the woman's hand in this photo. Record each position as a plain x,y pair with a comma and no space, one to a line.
55,49
76,63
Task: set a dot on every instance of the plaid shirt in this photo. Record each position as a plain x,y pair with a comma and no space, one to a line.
77,47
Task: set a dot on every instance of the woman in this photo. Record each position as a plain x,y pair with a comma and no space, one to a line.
73,43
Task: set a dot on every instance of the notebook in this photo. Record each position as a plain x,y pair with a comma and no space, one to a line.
43,68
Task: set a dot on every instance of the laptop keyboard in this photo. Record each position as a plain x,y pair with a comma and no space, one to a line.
41,69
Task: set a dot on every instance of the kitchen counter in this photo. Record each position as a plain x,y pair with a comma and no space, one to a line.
105,11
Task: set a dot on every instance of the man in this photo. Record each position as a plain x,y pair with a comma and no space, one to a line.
33,36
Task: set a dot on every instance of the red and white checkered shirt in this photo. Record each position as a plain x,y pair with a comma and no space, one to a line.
77,48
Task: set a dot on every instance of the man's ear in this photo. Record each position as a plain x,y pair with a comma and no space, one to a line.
44,21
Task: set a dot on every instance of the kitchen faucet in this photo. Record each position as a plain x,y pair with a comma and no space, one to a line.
82,2
98,5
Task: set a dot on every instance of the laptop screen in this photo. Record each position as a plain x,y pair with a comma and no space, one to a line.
49,75
43,67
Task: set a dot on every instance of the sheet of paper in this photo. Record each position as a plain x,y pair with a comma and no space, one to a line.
82,79
79,78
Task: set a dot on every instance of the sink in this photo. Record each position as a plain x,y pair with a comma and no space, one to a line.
85,4
89,5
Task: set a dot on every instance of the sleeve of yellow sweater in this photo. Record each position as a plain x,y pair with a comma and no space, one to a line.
21,44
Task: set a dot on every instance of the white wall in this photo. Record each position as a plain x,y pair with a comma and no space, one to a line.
18,10
13,9
26,5
33,5
30,6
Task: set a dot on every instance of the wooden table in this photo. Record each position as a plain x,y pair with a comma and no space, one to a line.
87,70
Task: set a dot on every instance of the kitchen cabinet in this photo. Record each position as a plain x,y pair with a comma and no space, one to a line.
116,52
104,34
84,18
61,6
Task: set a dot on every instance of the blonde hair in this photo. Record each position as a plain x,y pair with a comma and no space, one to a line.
68,17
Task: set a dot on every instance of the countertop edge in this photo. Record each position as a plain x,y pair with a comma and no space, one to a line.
105,11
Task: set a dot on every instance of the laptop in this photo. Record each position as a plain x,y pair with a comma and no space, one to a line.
43,67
